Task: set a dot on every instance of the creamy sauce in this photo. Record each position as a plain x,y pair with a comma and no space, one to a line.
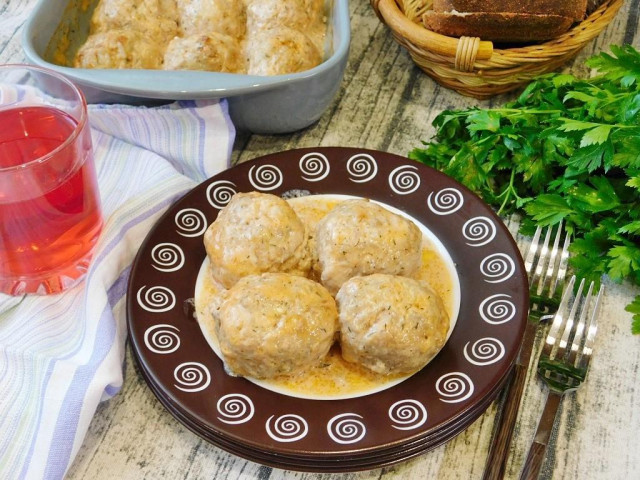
334,378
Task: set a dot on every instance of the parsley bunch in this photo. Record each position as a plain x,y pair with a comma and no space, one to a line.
568,149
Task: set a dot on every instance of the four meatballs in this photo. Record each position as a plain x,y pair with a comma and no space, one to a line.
273,319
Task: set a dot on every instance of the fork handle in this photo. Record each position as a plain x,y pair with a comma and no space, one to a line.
538,448
496,464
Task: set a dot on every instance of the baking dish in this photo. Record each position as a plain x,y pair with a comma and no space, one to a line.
277,104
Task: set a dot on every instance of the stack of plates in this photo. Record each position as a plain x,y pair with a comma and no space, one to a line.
347,434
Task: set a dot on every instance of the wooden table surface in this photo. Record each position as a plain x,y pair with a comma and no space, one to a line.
386,103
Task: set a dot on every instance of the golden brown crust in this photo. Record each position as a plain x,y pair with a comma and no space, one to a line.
119,49
211,51
256,233
498,27
276,38
575,9
274,324
390,324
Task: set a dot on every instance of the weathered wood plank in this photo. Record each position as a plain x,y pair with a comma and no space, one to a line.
386,103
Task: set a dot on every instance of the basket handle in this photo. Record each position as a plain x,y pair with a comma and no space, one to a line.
461,49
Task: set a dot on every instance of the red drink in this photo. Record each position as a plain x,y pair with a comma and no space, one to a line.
49,209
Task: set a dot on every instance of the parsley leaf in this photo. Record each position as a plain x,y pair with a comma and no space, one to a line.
623,260
567,149
634,308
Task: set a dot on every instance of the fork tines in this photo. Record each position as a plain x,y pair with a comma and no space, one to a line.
568,346
546,263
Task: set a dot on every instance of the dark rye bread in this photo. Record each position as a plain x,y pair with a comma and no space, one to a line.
497,26
576,9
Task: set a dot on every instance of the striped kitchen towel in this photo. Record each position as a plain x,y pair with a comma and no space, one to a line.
60,355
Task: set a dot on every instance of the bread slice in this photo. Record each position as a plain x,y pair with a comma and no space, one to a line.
497,26
575,9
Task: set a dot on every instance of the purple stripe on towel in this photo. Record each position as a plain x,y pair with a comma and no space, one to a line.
201,126
25,465
67,423
231,128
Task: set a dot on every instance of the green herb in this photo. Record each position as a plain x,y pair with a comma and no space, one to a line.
568,149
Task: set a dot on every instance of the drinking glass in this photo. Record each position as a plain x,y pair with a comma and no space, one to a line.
50,216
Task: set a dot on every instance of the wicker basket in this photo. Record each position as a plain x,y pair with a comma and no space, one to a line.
475,68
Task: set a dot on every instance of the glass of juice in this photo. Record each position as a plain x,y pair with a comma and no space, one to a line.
50,217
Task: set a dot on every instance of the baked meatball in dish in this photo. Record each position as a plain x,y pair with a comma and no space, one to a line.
359,237
153,18
212,51
205,16
119,49
274,324
281,50
264,14
256,233
390,324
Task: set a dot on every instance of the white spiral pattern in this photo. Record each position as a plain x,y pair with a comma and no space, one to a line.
191,222
497,267
497,309
219,193
235,408
192,377
404,180
314,167
455,387
162,338
346,428
407,414
362,168
287,428
445,202
484,351
167,257
479,231
156,299
265,177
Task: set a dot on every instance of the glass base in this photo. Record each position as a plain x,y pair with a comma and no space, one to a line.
51,282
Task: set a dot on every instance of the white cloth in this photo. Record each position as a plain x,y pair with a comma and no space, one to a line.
60,355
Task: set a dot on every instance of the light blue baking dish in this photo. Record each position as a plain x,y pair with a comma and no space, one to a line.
278,104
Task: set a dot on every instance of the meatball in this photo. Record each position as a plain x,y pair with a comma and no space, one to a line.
119,49
281,50
274,324
154,18
213,51
205,16
256,233
311,212
264,14
390,324
359,237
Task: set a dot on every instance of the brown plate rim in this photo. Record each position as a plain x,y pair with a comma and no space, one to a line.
493,283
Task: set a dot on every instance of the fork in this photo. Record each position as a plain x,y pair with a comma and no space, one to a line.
563,362
546,266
